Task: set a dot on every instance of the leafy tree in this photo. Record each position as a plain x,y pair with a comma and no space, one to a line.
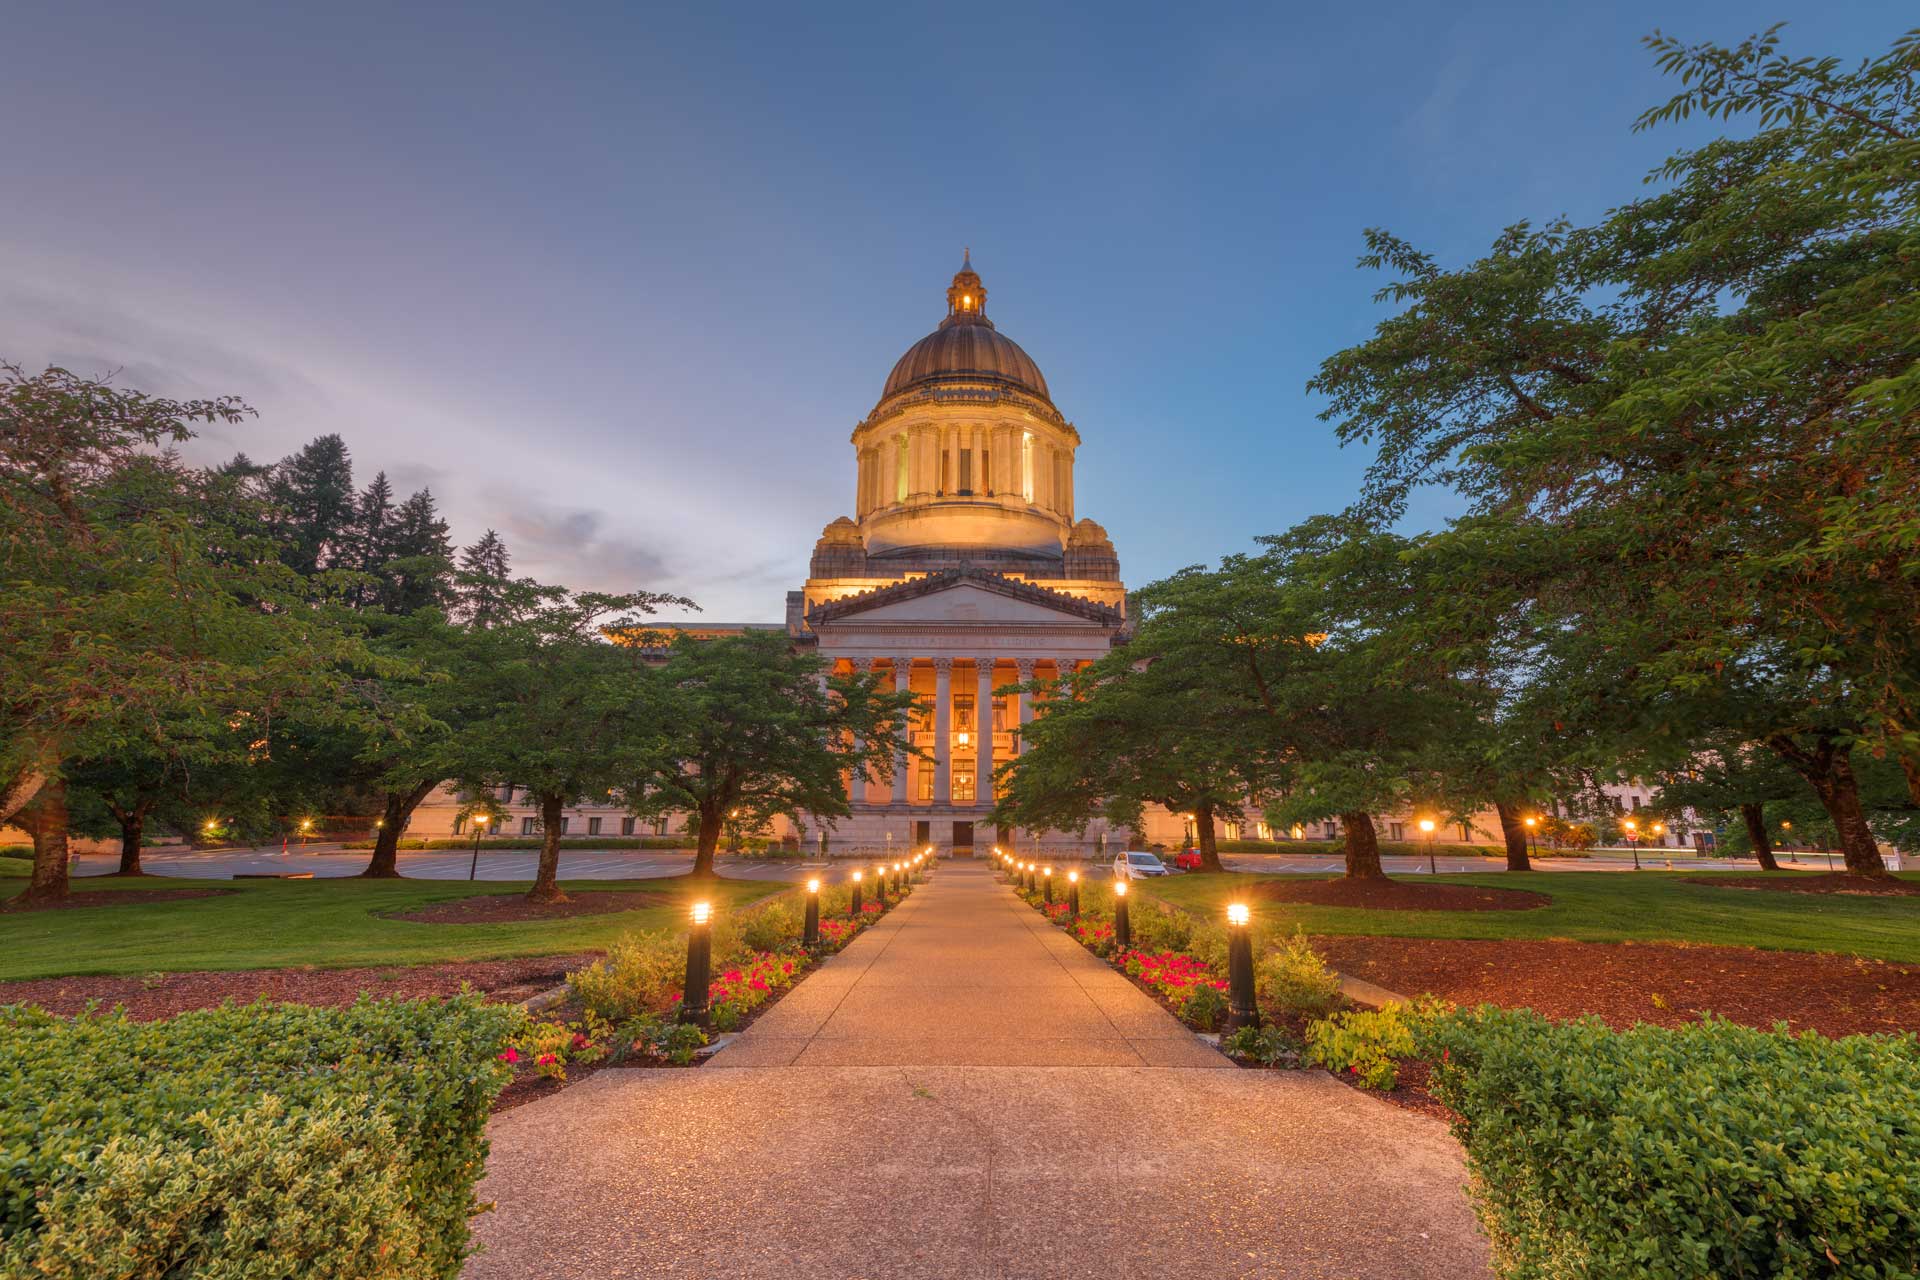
556,707
124,630
745,727
1696,416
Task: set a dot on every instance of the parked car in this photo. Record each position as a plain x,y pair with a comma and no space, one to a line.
1136,865
1188,860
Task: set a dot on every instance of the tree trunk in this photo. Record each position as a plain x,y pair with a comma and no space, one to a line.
1828,769
1755,816
45,816
1514,828
19,791
1363,846
133,825
1204,837
709,841
546,884
385,863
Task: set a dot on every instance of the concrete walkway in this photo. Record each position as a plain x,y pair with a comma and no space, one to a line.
965,1092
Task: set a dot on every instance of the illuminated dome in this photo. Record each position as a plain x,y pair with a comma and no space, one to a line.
966,347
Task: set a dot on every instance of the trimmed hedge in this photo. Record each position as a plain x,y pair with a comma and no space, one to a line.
1710,1150
259,1140
534,842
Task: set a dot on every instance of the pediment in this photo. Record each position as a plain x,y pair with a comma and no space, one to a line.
968,596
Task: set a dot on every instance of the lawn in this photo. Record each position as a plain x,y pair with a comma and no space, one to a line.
1609,907
322,923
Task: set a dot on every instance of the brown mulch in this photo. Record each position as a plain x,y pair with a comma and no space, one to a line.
1626,982
162,995
500,908
112,898
1384,894
1816,882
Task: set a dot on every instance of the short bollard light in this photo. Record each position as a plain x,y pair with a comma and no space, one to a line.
899,879
1073,895
693,998
1046,890
810,932
1241,1010
854,911
1122,922
880,885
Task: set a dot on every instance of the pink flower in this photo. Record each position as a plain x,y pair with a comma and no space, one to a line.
580,1041
511,1055
545,1060
759,984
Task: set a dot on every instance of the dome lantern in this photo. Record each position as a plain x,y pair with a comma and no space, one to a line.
966,296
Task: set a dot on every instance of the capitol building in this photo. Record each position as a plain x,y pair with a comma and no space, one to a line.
963,572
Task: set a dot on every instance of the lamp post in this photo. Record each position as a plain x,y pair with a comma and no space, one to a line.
810,932
880,885
1241,1009
693,996
1122,921
1426,825
1533,838
1046,890
1633,840
854,908
479,828
306,829
1073,895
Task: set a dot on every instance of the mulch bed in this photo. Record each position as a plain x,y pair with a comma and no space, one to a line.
162,995
1400,895
501,908
1625,982
112,898
1817,882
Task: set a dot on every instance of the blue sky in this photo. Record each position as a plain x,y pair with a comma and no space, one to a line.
618,280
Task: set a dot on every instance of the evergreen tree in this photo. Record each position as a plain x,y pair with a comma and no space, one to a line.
418,570
483,582
373,536
313,493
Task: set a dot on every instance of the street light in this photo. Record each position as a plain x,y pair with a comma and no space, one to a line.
1633,840
1533,839
1426,825
810,933
1122,921
1241,1009
693,996
479,827
1073,895
306,827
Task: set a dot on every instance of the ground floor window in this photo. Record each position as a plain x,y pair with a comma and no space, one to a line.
460,826
1396,831
526,826
626,826
593,826
659,826
563,825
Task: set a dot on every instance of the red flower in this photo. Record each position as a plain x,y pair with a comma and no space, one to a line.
511,1055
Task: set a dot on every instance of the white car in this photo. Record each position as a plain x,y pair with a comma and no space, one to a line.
1135,865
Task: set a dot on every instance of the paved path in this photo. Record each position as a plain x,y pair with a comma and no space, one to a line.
964,1093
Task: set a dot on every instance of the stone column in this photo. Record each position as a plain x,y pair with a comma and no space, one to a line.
902,762
943,731
1026,666
983,721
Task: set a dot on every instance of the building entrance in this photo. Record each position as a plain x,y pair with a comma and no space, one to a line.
963,837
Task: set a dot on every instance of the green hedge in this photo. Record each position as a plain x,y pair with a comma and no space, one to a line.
1711,1150
260,1140
534,842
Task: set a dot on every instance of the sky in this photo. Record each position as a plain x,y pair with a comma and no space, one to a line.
619,279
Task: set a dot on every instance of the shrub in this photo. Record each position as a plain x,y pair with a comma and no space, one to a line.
1159,928
1204,1006
1699,1151
1265,1045
247,1140
1369,1043
1295,978
642,972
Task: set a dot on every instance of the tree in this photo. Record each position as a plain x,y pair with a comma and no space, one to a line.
1698,413
312,492
1141,726
745,727
556,707
483,582
125,630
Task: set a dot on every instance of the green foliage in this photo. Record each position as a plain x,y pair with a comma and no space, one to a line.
189,1146
1203,1007
639,975
660,1037
1369,1044
1294,977
1267,1045
1702,1151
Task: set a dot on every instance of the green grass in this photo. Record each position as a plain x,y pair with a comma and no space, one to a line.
323,923
1602,907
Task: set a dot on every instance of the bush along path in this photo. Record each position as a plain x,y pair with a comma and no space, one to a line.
627,1008
1704,1150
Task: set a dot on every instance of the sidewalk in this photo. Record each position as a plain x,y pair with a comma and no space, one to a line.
965,1092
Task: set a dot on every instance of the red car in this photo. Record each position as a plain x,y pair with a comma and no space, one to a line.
1188,860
